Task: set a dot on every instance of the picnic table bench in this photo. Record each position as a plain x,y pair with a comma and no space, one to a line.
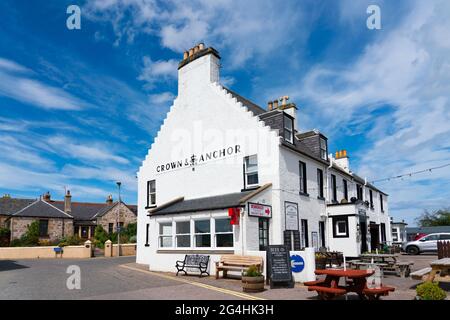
387,262
440,270
234,262
420,274
194,261
357,283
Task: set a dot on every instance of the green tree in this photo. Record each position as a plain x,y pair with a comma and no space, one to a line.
434,218
100,236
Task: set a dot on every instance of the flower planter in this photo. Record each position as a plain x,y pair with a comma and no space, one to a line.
253,284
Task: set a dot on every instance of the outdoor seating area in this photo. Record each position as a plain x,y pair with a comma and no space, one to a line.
386,262
238,263
353,281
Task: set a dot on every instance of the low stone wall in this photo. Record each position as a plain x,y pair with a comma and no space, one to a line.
16,253
126,249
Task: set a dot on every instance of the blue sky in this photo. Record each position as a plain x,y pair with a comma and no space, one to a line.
79,108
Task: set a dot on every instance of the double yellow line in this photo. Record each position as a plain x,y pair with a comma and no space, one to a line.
197,284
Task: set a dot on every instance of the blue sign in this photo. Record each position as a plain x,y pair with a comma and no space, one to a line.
297,263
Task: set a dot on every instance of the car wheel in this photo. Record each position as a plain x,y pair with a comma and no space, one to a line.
412,250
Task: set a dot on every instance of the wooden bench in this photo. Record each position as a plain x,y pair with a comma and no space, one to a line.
236,262
402,269
420,274
196,261
376,293
327,293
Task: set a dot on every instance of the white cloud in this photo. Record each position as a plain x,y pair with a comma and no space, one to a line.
15,85
161,70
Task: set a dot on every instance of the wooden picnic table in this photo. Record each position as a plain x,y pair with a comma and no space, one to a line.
389,262
356,282
440,270
383,257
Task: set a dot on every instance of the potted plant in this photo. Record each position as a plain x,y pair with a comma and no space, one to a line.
252,280
321,261
430,291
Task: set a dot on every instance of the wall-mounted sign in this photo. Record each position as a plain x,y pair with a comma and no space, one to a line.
297,263
291,213
197,159
259,210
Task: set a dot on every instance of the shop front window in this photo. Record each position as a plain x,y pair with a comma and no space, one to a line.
165,235
202,233
224,233
183,238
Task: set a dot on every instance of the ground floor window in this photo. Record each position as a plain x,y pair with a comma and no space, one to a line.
322,233
183,237
340,227
165,235
224,233
43,228
395,234
304,235
263,230
84,232
202,233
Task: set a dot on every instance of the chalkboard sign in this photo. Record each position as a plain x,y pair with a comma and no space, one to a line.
279,273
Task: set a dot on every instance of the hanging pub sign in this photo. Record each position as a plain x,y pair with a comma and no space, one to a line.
259,210
291,213
279,272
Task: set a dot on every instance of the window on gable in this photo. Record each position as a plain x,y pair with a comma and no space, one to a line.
151,193
381,203
371,198
345,189
251,171
288,129
320,183
359,192
323,149
333,188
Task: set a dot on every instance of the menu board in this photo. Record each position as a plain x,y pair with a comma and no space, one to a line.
279,273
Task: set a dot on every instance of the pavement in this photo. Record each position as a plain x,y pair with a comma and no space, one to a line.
122,278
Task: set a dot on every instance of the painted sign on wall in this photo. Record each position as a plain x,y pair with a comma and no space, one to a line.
291,213
259,210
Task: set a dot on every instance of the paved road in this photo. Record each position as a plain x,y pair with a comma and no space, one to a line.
101,278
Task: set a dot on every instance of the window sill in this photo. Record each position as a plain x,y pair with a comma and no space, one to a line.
321,198
151,207
303,194
146,245
250,188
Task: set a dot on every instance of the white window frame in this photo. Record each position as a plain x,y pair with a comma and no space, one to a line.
202,234
289,130
252,171
323,148
219,233
161,236
183,234
151,193
338,233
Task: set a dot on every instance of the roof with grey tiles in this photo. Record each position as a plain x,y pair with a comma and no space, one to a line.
203,204
9,206
41,209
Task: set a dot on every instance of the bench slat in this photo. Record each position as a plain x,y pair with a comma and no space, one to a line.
327,289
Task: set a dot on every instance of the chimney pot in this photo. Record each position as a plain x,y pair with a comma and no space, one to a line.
185,55
270,105
196,49
47,196
201,46
275,104
109,200
191,52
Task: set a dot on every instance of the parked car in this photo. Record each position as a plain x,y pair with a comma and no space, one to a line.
425,244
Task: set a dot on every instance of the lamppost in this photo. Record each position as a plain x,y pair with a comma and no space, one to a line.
118,221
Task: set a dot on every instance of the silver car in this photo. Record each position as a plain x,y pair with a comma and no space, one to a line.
427,243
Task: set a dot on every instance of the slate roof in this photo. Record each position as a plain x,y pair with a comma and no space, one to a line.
202,204
41,209
81,210
9,206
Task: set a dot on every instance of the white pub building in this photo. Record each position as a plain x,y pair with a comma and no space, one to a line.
226,176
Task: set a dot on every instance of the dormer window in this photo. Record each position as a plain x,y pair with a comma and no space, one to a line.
323,149
288,129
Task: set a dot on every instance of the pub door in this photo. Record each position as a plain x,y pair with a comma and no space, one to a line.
374,236
363,230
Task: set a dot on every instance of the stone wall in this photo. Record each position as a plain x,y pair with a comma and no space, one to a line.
19,226
70,252
126,216
2,221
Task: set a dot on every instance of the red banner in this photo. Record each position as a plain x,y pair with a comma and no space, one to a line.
234,214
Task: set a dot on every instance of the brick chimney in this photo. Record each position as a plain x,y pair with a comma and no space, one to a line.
109,200
46,196
199,66
68,202
342,160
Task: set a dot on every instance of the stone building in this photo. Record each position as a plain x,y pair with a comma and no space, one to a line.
58,219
